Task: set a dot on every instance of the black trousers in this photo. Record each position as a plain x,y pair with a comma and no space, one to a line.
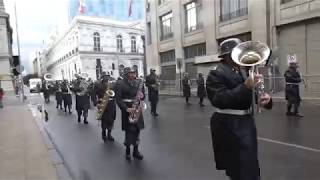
83,112
153,104
132,134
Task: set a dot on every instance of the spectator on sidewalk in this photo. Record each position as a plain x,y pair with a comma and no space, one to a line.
1,97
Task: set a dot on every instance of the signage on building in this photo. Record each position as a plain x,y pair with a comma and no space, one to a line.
291,58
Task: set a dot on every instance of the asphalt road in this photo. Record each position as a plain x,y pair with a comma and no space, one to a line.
177,144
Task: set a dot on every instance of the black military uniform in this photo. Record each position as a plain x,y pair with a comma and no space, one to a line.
293,78
66,96
201,91
126,91
59,97
233,130
82,101
109,115
46,92
186,87
153,91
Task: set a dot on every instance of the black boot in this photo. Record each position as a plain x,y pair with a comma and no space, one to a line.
136,154
289,113
128,156
85,121
110,138
104,136
79,119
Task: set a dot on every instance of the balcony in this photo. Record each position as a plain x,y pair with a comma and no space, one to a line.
235,14
193,28
166,36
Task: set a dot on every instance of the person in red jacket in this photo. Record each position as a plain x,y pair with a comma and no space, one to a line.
1,97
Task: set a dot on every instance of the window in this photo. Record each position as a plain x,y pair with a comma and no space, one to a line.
113,67
119,43
285,1
96,41
98,68
148,7
135,68
149,37
168,56
195,50
133,44
121,68
230,9
166,26
192,16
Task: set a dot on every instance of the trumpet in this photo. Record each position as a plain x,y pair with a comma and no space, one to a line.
251,54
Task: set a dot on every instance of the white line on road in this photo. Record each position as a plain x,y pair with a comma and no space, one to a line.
284,143
289,144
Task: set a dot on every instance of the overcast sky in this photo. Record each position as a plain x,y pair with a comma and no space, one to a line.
36,20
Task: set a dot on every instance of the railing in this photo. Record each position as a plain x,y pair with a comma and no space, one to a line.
193,28
275,86
166,36
231,15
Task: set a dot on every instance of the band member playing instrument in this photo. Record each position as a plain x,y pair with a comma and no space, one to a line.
152,83
109,114
82,98
59,97
186,84
293,78
127,90
233,129
46,91
201,92
66,95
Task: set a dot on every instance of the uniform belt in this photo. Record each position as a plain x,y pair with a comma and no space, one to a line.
111,99
128,100
233,111
292,83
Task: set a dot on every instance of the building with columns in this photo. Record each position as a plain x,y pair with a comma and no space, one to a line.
183,35
92,45
6,60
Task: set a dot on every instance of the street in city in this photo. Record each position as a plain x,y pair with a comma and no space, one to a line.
177,144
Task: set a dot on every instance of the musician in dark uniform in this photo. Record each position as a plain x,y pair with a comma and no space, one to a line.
201,91
293,78
46,91
186,86
153,90
59,97
233,129
82,98
126,94
66,95
109,115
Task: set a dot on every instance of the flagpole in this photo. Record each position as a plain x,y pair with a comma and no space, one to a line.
18,44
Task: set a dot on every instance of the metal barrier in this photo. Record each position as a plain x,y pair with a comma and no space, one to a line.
309,87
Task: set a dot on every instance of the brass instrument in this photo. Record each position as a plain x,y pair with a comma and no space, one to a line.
138,105
251,54
83,85
103,102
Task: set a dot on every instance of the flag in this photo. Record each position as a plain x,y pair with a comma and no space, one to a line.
130,8
82,6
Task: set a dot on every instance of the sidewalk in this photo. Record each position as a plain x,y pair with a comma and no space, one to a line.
23,153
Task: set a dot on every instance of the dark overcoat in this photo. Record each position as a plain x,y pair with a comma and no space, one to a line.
292,90
186,87
153,92
201,91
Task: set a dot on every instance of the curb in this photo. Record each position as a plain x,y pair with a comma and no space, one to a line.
63,172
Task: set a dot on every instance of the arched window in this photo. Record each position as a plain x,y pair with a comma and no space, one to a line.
135,68
121,68
96,41
133,44
119,43
113,67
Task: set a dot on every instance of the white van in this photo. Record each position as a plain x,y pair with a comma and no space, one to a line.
33,84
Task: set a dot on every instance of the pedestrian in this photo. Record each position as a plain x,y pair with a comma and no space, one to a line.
186,86
233,129
293,78
201,91
59,97
109,114
152,83
1,97
66,96
127,92
82,98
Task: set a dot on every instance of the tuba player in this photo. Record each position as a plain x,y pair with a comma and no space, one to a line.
234,135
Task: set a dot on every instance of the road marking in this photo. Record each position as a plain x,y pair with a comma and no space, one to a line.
283,143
